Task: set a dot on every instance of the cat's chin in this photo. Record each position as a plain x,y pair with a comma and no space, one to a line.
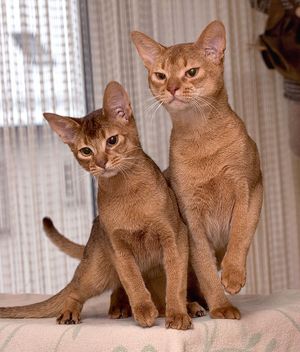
177,105
109,173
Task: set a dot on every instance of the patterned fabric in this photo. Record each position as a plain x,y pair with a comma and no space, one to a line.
261,5
269,323
291,89
291,86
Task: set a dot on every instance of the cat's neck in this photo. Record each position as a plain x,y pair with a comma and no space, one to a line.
203,117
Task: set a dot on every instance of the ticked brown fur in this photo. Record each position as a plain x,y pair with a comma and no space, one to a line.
214,164
139,229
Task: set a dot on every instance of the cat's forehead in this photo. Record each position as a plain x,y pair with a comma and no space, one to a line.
181,56
97,126
93,124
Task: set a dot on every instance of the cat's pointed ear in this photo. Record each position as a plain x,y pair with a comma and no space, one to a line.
66,127
213,41
116,103
148,49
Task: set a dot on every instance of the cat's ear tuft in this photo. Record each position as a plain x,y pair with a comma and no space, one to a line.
116,103
148,49
213,41
66,127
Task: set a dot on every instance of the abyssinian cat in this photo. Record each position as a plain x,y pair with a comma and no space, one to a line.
139,229
119,304
214,165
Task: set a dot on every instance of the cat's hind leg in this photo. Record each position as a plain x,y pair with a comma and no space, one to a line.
119,304
93,276
196,304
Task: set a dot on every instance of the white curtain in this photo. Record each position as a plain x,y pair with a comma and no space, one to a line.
40,70
254,92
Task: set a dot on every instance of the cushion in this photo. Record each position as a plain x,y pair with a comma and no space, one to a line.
269,323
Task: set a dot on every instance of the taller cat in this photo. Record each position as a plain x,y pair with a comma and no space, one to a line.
214,164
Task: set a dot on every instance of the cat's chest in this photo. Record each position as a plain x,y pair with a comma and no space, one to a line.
146,248
194,166
195,162
144,244
204,180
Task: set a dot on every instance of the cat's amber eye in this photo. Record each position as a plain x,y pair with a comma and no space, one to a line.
112,140
161,76
86,151
192,72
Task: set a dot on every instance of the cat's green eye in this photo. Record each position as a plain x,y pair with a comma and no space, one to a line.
112,140
161,76
192,72
86,151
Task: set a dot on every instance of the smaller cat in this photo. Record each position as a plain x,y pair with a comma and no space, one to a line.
139,229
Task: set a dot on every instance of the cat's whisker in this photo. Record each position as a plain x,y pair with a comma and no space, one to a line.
156,97
154,112
137,166
123,171
205,101
151,105
132,150
153,108
201,103
128,158
198,108
194,106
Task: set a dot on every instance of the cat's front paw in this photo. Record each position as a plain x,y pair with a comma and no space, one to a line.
233,278
145,313
226,312
195,310
179,321
69,317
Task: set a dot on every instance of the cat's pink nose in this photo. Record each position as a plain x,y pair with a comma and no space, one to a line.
172,89
102,163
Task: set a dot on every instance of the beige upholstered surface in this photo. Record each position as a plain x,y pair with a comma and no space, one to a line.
269,323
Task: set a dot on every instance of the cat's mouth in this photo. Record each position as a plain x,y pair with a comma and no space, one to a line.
109,173
106,173
174,98
175,102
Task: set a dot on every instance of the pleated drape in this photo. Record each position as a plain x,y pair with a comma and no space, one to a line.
40,70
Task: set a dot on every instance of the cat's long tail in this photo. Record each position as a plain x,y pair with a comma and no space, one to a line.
65,245
52,307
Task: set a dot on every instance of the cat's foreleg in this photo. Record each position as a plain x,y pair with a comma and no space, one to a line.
244,221
143,308
204,265
176,267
